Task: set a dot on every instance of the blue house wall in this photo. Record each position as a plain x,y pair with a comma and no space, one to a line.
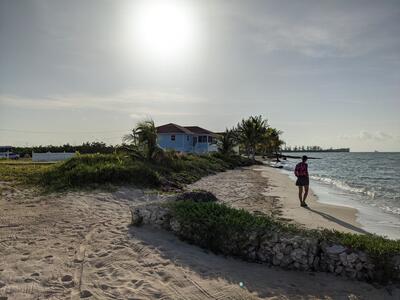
183,142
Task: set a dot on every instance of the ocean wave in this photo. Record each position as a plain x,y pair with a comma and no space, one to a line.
345,186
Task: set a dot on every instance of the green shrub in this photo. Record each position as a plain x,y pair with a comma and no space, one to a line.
85,170
227,230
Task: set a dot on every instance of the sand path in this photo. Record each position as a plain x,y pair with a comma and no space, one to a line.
79,245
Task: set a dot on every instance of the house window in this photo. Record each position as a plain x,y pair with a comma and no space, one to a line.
203,139
210,139
173,137
187,137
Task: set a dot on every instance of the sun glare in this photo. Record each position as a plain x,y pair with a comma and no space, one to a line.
165,30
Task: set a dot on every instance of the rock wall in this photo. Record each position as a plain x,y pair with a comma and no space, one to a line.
284,249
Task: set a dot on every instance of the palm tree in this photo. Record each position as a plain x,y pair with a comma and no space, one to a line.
143,138
272,141
227,141
250,132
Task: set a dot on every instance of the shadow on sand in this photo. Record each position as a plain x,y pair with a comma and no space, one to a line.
338,221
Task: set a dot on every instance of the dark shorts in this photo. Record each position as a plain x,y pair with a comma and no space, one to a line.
302,181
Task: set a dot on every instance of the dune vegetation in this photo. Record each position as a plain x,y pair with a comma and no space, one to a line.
171,170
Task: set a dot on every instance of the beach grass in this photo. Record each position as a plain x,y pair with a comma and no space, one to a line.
93,170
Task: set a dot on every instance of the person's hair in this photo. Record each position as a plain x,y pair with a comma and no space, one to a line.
304,158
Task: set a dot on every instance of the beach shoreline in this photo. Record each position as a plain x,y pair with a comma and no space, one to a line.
319,215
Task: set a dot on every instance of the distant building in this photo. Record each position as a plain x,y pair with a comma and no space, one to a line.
51,156
6,152
189,139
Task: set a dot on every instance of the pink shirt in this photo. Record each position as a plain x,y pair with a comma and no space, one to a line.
301,169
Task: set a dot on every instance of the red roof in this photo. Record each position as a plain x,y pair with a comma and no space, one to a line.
198,130
174,128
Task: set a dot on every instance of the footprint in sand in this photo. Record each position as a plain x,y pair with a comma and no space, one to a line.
137,283
85,294
103,254
99,265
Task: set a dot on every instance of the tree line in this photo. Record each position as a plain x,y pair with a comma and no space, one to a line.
85,148
252,135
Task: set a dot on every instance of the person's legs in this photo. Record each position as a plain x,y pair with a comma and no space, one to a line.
305,193
301,194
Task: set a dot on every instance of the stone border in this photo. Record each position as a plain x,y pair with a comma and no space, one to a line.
287,250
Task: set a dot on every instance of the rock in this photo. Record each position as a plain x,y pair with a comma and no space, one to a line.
343,258
359,266
3,297
362,256
338,269
335,250
279,255
175,225
85,294
136,217
331,268
286,260
275,237
288,249
297,254
2,284
351,258
275,261
310,259
316,263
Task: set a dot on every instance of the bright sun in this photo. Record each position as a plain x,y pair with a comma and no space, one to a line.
165,30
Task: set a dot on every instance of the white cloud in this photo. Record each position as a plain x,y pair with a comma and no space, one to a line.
132,102
323,32
367,136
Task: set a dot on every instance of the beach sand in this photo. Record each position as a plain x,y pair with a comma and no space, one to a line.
79,244
276,194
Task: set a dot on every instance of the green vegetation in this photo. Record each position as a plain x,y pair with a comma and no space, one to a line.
228,231
253,135
85,148
143,140
22,170
169,170
212,222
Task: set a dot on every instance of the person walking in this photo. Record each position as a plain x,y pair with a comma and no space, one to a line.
301,172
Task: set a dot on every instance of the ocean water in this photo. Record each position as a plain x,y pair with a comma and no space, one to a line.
369,182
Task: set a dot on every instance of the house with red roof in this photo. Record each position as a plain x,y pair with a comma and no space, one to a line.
189,139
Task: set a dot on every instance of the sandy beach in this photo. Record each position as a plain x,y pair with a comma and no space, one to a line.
276,194
80,245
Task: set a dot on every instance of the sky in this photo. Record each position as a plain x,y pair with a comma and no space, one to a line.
324,72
